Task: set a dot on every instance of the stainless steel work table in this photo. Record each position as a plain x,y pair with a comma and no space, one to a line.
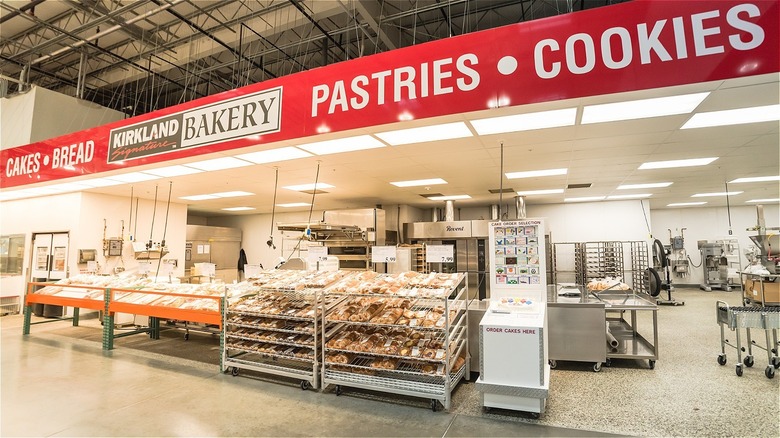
578,322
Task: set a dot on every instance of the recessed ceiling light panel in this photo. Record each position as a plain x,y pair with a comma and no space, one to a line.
134,177
525,122
585,199
310,186
338,145
539,192
677,163
171,171
765,200
449,198
294,204
685,204
704,195
198,197
238,208
768,113
756,179
231,194
634,196
219,164
419,182
642,109
643,186
446,131
536,173
274,155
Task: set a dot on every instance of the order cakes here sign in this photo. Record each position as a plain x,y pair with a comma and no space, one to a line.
626,47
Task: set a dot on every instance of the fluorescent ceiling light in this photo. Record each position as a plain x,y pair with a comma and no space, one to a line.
170,171
703,195
684,204
100,182
755,114
134,177
634,196
198,197
756,179
536,173
422,134
642,109
231,194
525,122
294,204
238,208
348,144
540,192
765,200
310,186
584,199
274,155
419,182
643,186
219,164
677,163
449,198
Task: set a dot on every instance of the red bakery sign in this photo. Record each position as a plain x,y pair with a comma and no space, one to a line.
631,46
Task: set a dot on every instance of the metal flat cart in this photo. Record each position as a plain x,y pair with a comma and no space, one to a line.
628,342
736,318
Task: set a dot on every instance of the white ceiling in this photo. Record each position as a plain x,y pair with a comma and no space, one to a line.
604,154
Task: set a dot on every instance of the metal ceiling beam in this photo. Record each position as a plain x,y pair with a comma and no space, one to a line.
287,55
212,37
23,9
368,11
131,29
91,44
317,25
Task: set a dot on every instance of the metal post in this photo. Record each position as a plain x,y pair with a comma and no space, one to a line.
27,316
76,316
108,322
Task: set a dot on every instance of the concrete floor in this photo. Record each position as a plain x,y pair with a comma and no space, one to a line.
58,381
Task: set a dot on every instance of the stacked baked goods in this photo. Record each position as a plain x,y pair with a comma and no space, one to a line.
601,284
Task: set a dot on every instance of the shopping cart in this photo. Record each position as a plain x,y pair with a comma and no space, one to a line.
736,318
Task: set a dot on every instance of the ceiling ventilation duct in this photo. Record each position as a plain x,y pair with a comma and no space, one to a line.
520,206
449,211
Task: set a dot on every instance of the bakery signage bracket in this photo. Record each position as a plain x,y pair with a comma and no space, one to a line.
626,47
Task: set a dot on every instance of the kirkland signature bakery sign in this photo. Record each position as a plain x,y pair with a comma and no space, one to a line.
253,114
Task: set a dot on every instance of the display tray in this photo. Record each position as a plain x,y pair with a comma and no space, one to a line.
309,358
413,384
288,328
272,341
260,362
276,316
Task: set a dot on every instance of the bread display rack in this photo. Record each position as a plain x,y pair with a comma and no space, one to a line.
397,333
275,328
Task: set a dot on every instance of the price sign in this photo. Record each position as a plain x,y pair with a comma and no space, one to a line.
383,254
439,254
317,254
92,266
144,267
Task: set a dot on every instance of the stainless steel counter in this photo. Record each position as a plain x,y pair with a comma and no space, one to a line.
589,327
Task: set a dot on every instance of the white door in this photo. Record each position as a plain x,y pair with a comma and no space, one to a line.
50,256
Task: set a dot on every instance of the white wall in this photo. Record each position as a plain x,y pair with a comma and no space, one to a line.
82,214
709,224
41,114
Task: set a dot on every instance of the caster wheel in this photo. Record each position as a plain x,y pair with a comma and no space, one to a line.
234,371
652,364
338,390
305,385
434,404
728,289
769,372
722,359
776,362
748,361
553,364
597,367
738,370
186,336
608,362
743,349
535,415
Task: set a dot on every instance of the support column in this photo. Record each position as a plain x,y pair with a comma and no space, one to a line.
27,317
108,322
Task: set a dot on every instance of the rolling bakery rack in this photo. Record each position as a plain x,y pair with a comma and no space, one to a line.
749,317
275,329
397,333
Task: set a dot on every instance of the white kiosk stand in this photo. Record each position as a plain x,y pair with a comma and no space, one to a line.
514,373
